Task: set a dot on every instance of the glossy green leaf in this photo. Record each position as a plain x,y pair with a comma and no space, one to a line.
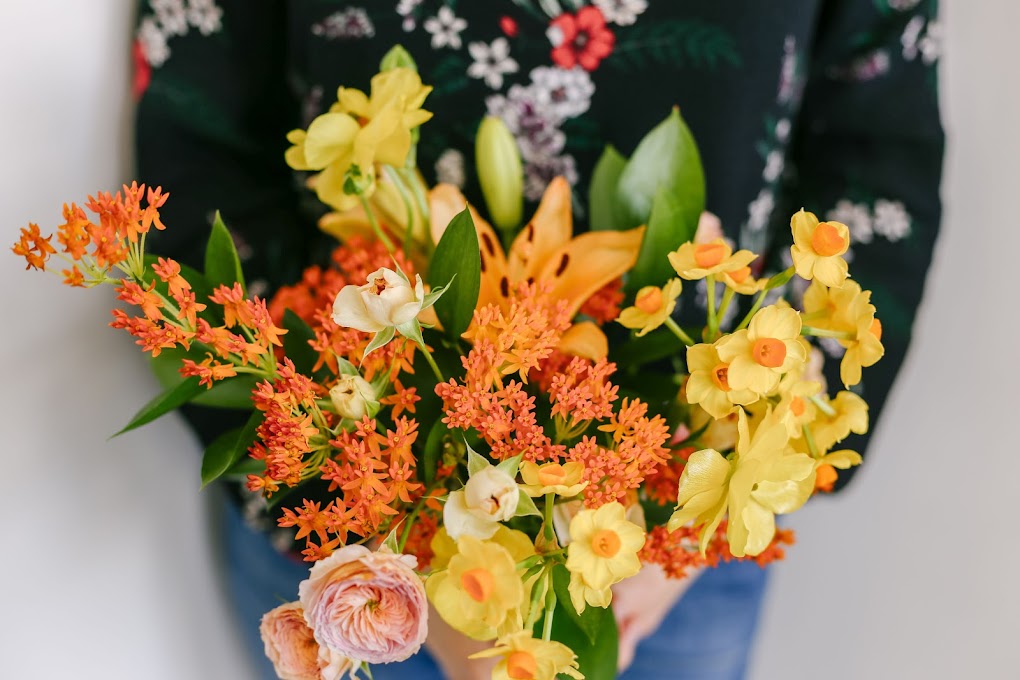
228,449
667,229
526,505
165,402
603,206
232,392
596,652
222,265
590,621
433,451
295,343
665,161
457,263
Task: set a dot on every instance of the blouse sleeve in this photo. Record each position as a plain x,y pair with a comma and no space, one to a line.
868,153
214,108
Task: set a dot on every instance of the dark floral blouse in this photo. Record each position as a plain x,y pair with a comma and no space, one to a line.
830,105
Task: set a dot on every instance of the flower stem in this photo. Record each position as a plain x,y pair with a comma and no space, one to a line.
550,609
550,501
810,439
713,320
754,310
432,364
375,225
678,332
824,333
725,304
823,407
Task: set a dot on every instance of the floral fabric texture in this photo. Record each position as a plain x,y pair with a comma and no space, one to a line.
826,105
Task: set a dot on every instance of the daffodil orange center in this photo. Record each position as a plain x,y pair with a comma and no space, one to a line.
649,300
551,475
478,584
709,254
827,241
521,666
720,376
876,329
797,406
769,352
740,275
605,543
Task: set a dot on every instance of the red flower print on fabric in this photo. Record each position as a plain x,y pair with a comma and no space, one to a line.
508,25
580,39
143,71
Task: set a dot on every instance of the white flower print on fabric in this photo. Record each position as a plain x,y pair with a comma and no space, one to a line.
856,217
539,172
405,7
153,42
205,15
788,77
565,93
910,36
891,220
450,168
867,67
492,61
774,164
171,15
621,12
760,210
931,44
350,24
783,130
903,5
445,29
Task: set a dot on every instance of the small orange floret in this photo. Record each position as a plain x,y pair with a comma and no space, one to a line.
827,241
34,247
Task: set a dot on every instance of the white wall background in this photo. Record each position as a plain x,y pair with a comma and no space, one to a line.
107,568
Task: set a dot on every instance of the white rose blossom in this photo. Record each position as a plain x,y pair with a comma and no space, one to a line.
489,497
387,300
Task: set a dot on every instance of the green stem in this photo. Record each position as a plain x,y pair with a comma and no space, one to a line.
822,406
432,363
678,332
550,500
810,439
375,225
725,304
713,320
550,609
824,333
754,310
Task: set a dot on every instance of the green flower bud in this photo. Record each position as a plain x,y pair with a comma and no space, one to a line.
500,173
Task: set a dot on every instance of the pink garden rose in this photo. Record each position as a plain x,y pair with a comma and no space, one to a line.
291,646
368,606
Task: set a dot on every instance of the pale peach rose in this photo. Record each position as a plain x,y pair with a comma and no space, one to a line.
290,643
368,606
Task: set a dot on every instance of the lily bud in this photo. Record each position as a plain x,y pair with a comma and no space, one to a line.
500,173
354,397
388,300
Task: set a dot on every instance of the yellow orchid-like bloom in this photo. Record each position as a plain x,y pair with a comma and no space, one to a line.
603,551
769,347
697,260
522,657
818,249
479,593
741,281
847,310
708,384
358,132
561,479
764,478
652,306
795,408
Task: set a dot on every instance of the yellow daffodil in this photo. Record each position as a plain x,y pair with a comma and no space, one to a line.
818,249
358,132
479,593
603,551
522,657
741,281
826,475
761,353
561,479
847,310
652,306
716,433
701,496
708,384
697,260
850,415
795,408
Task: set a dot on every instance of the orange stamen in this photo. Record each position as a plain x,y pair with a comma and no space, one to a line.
720,376
827,241
709,254
521,665
649,300
478,584
551,474
605,543
769,352
797,406
740,275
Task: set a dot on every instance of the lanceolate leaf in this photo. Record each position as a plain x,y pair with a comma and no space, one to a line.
228,449
603,207
222,265
457,263
232,392
596,652
295,343
433,451
164,403
668,227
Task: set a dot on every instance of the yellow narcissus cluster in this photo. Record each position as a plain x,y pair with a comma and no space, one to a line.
847,312
359,132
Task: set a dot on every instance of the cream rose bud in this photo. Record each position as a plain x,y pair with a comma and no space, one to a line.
354,397
489,497
387,300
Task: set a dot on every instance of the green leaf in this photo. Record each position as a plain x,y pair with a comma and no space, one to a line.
392,541
592,635
659,344
526,505
665,163
397,57
780,279
295,343
510,465
232,392
476,461
603,208
433,451
379,339
228,449
199,284
668,227
222,265
457,263
163,403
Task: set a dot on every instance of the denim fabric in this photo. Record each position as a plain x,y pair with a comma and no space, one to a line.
706,637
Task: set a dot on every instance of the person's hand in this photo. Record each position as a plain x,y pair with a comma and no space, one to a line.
450,649
641,602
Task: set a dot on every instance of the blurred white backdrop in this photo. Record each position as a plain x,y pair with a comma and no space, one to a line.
108,569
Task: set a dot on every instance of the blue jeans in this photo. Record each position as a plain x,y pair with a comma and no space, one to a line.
707,636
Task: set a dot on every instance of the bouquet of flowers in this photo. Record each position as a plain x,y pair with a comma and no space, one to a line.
503,420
